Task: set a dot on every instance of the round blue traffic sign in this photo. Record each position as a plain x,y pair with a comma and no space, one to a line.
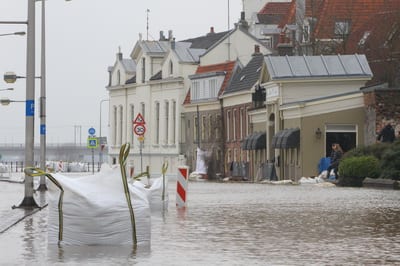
92,131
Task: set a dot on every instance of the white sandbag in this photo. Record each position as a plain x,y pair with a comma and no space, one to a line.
157,193
95,210
4,168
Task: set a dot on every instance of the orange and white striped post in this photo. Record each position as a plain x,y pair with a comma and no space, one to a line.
182,186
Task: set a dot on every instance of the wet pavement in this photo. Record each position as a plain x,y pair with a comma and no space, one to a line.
12,194
230,224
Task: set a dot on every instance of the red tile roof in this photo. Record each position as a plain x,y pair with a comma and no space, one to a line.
274,13
357,12
273,8
223,67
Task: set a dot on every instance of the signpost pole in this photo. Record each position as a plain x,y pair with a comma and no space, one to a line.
92,143
139,129
93,161
141,157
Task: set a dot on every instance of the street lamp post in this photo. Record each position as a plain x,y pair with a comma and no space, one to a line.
42,184
101,139
29,201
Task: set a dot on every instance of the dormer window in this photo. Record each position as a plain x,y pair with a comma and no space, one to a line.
342,28
206,88
306,33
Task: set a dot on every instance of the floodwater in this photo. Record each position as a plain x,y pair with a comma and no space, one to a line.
240,224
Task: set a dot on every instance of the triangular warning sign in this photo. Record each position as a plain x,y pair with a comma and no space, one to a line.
139,119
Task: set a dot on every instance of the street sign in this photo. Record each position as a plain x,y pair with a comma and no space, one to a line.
141,138
139,120
102,140
92,131
139,129
92,143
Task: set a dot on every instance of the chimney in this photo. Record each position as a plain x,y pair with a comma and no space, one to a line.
211,31
170,35
119,54
242,16
162,37
173,44
243,24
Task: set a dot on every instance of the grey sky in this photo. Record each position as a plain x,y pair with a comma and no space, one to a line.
83,37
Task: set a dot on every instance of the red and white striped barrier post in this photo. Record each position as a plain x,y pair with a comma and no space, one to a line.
182,186
60,167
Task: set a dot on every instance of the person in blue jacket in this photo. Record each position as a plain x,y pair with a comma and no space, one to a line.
336,155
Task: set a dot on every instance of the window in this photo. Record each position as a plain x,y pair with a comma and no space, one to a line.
209,128
268,41
212,83
195,129
183,128
142,110
171,68
345,135
173,122
120,122
157,131
342,28
234,120
143,70
203,127
115,124
218,127
306,33
166,113
118,77
132,118
241,126
228,125
206,88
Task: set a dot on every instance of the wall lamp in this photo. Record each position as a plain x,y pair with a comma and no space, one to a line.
318,133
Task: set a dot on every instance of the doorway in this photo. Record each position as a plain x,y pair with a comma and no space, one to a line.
345,135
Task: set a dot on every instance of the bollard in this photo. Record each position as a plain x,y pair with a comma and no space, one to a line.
182,186
131,171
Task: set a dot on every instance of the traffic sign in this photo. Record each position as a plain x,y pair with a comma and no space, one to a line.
92,131
139,120
92,143
139,129
141,138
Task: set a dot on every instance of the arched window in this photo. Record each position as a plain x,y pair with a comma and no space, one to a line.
171,68
118,77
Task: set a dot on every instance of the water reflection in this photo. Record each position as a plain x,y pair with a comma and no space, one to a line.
238,224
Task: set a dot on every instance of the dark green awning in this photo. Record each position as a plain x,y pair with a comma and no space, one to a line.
255,141
286,139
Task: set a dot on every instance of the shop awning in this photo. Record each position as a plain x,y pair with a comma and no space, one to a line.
255,141
286,139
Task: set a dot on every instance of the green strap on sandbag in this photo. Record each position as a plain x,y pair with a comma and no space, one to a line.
32,171
123,156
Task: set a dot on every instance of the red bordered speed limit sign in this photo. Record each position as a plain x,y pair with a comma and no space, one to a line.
139,129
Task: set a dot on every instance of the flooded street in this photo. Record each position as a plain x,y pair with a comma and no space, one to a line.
240,224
